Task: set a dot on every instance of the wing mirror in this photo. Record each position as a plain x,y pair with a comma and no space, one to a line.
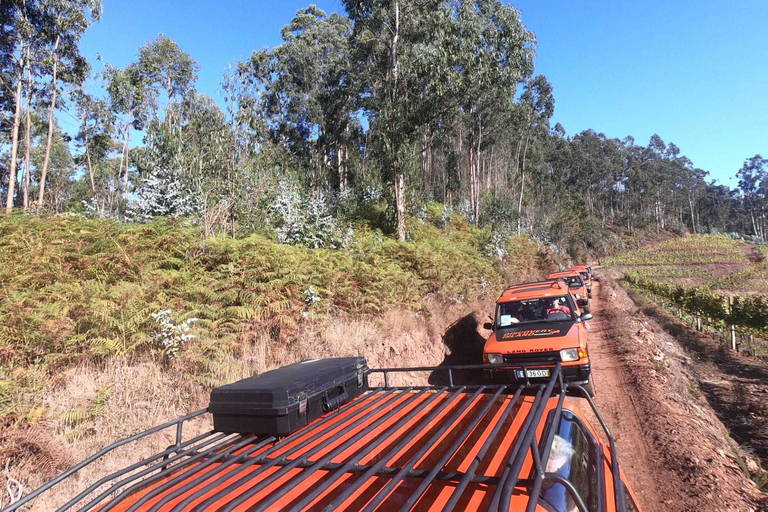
488,326
585,317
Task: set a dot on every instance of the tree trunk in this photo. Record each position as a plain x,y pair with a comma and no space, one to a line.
124,158
44,173
88,160
15,138
522,187
423,162
28,149
693,215
400,204
478,160
399,178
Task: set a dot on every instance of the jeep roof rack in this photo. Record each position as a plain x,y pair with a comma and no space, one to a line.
558,283
203,471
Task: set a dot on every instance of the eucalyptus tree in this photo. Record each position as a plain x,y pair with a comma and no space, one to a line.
65,23
164,68
307,95
753,182
130,105
402,57
494,53
539,105
21,34
61,168
96,128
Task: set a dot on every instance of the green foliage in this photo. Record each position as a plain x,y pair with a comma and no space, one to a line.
694,249
79,289
749,312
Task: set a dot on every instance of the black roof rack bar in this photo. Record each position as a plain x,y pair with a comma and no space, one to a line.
451,368
181,454
517,448
618,483
209,437
515,463
575,496
403,472
452,476
411,501
530,283
376,468
248,494
353,461
195,455
266,463
230,460
209,458
539,468
469,475
77,467
266,503
601,498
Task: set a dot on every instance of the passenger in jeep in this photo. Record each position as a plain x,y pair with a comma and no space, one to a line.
558,306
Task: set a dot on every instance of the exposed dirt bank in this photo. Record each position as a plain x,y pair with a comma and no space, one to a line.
675,450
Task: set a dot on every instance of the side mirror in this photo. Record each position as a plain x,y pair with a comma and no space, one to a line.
585,317
488,326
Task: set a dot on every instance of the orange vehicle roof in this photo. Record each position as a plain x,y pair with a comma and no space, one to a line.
534,290
428,449
272,477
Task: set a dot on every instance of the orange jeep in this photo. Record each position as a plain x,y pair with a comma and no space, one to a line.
539,323
578,288
427,448
587,274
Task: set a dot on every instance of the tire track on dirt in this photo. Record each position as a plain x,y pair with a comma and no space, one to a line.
614,400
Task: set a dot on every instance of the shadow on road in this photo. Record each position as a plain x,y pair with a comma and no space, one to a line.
465,346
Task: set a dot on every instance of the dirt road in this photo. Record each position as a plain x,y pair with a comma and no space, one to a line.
673,449
615,401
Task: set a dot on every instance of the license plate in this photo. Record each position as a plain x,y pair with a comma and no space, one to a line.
532,374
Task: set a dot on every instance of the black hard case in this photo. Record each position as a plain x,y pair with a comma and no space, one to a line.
281,401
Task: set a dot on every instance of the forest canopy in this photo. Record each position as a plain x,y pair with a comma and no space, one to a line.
390,110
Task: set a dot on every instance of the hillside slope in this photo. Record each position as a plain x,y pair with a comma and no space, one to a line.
109,328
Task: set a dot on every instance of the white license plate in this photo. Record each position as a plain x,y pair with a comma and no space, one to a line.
532,374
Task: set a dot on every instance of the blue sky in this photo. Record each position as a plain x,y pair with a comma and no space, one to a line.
695,72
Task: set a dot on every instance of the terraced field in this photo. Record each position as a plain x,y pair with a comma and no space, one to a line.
715,262
713,281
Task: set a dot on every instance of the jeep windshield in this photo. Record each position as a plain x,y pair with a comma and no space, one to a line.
573,281
529,311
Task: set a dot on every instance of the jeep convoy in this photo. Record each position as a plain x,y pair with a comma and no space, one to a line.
332,434
539,324
577,285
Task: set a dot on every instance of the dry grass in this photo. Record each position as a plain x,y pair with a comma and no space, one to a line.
147,392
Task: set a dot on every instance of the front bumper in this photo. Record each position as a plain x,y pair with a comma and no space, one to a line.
574,374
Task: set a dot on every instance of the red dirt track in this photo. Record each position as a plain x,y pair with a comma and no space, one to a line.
671,445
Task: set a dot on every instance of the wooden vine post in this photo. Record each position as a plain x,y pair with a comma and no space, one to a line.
732,327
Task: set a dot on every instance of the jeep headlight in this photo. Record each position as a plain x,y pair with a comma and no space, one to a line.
579,295
570,354
494,358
